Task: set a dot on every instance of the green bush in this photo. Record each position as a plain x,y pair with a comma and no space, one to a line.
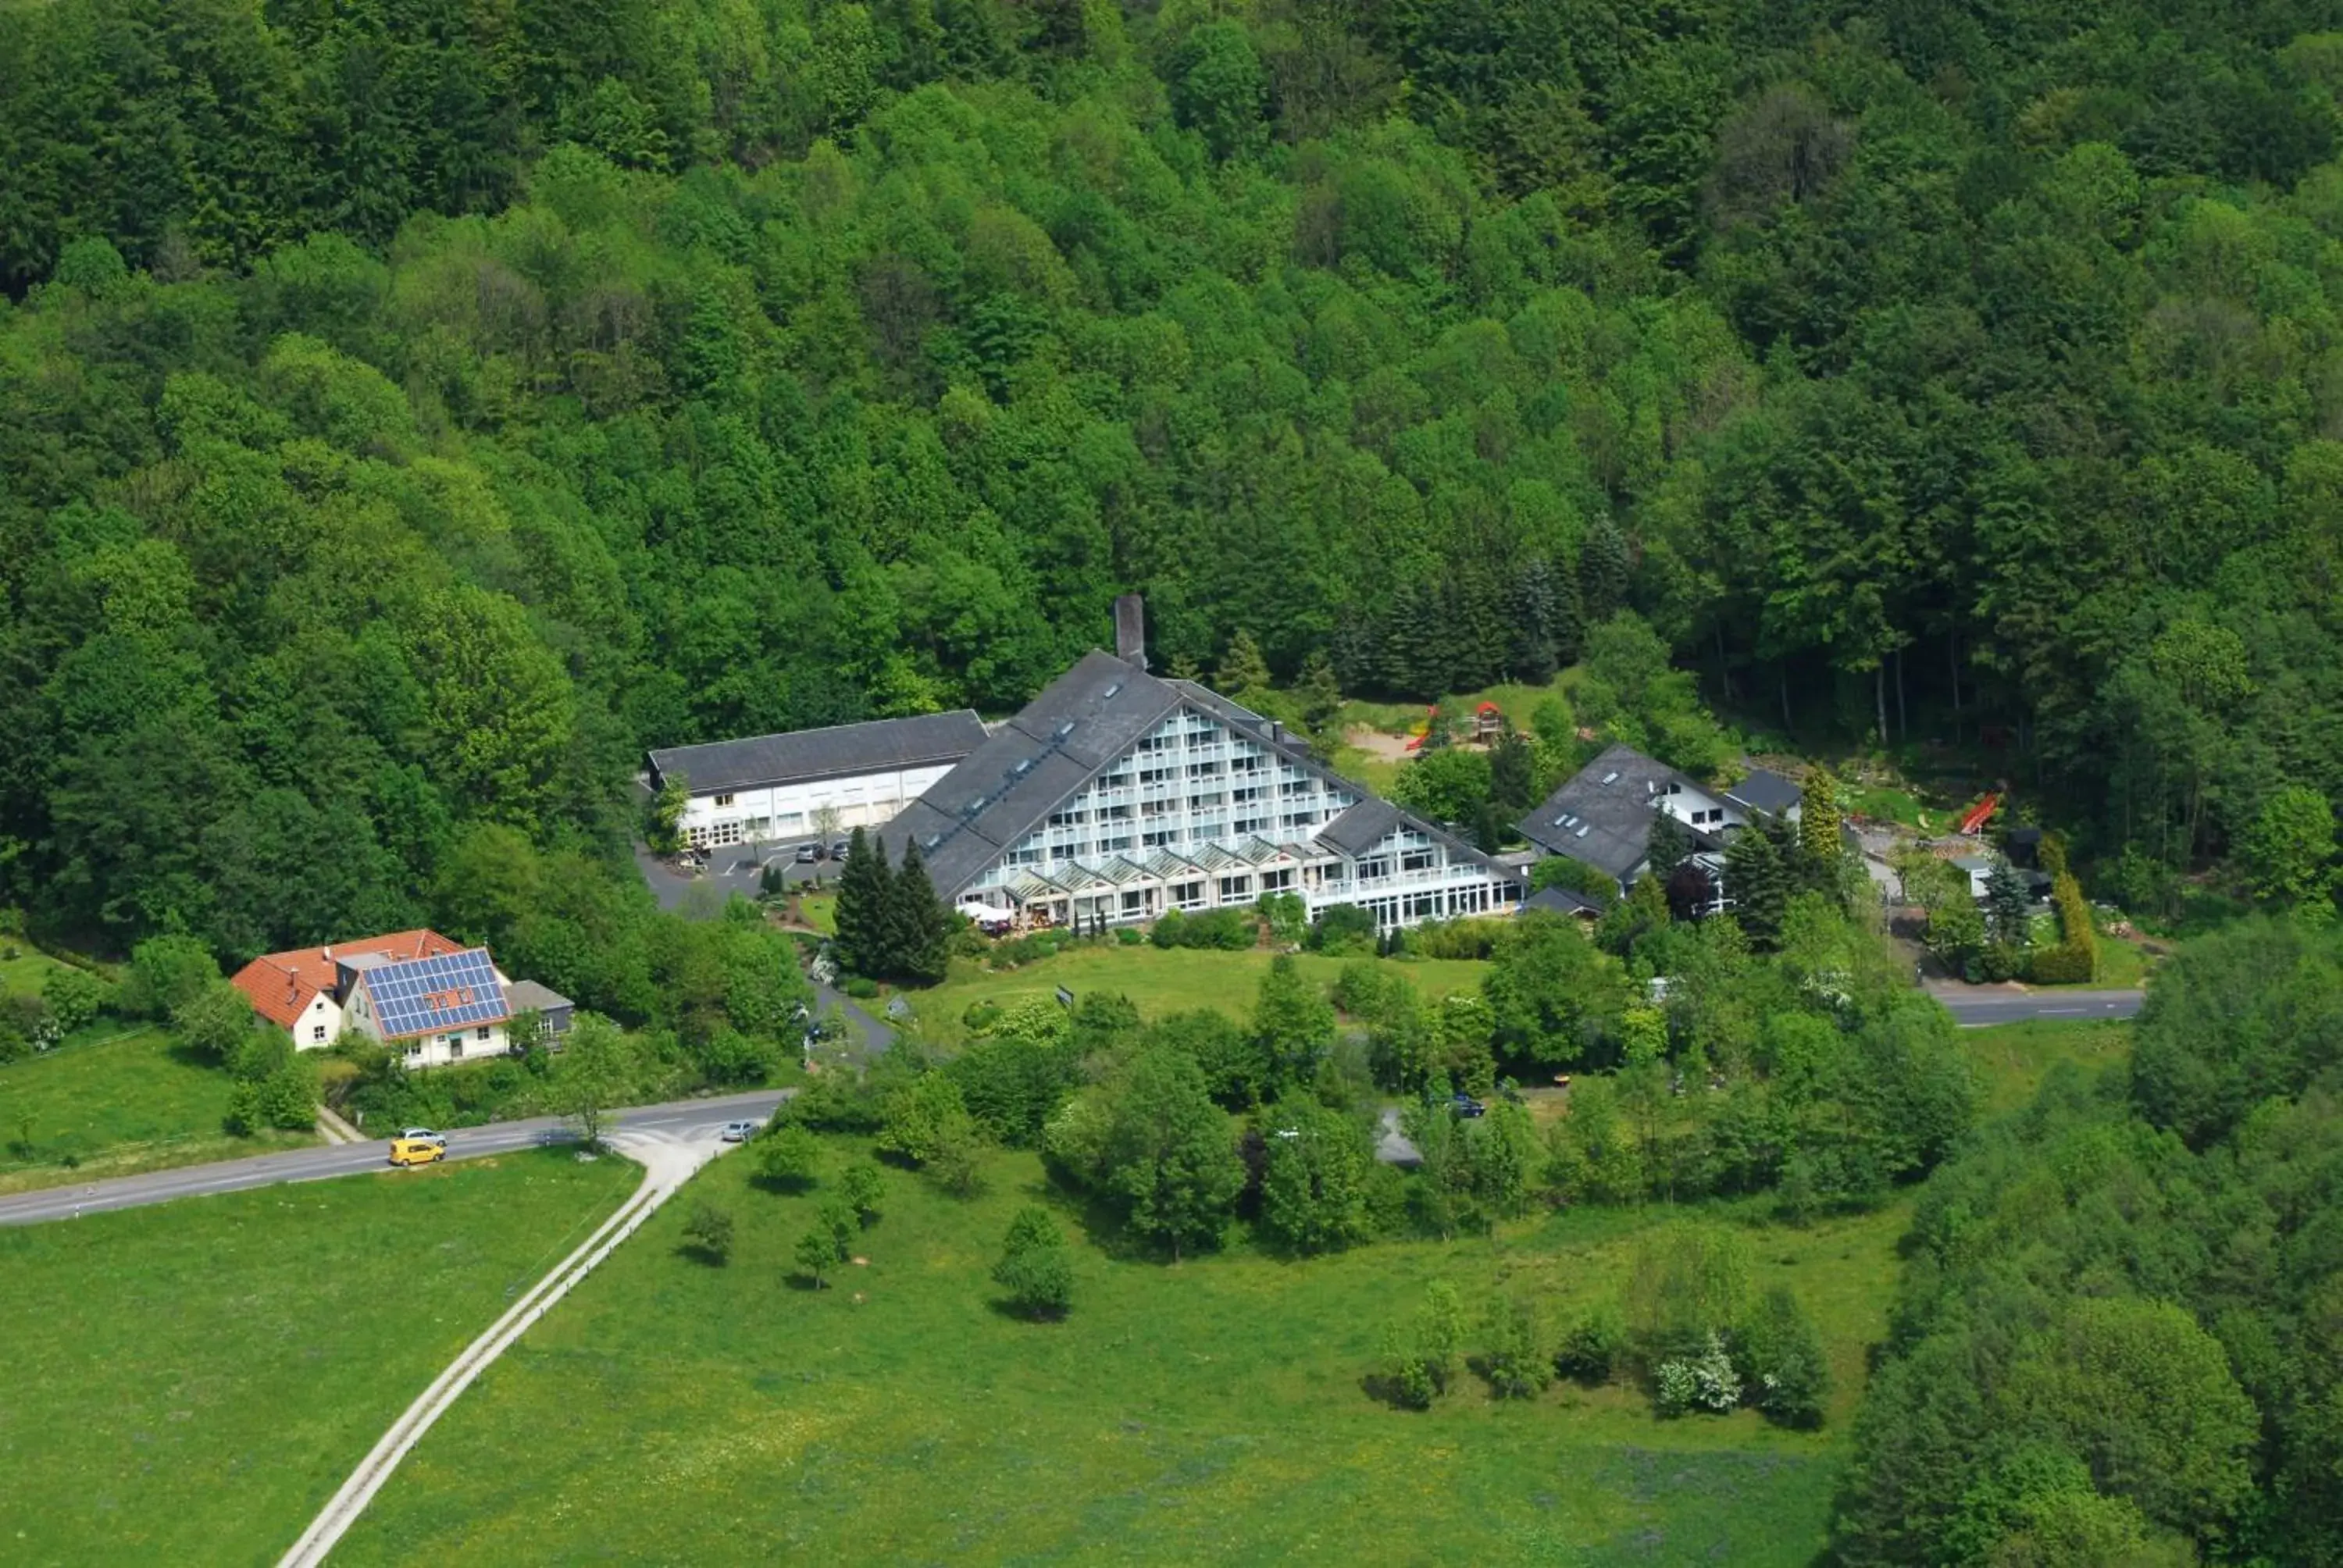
76,998
1129,937
981,1016
1230,930
1594,1348
861,988
2075,957
1346,928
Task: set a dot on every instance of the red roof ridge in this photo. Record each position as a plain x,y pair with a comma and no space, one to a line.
279,985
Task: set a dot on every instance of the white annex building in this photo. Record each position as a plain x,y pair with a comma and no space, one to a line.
776,786
1116,795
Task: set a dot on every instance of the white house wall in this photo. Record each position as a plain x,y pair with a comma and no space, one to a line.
1196,787
788,810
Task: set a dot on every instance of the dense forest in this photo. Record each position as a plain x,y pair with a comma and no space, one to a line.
2120,1337
409,410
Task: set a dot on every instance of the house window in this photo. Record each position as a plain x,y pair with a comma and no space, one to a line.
415,1051
317,1032
724,799
1418,860
481,1033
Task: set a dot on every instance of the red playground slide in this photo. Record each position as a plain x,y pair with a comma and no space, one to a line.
1984,809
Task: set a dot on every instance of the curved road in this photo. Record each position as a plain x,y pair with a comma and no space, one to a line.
682,1119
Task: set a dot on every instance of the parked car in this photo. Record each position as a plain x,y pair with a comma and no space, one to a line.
423,1135
809,854
416,1151
1467,1106
740,1131
838,848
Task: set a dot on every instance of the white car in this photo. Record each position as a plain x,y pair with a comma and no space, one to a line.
423,1135
740,1131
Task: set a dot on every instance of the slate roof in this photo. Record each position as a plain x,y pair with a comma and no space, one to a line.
1560,902
1000,791
526,994
1086,719
1602,813
1767,791
840,751
1362,827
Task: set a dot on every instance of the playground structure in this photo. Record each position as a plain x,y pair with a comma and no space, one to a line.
1973,824
1416,736
1488,726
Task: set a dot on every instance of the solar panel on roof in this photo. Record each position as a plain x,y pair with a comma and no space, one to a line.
449,991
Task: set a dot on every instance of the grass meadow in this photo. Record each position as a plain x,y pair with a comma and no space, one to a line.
189,1382
2014,1057
673,1411
113,1106
1158,981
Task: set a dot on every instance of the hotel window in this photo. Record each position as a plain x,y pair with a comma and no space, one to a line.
1419,860
1235,888
1109,845
1253,825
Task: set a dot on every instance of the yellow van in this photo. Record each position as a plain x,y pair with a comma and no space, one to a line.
416,1151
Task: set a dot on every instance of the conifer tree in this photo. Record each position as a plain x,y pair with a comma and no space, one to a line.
1321,698
1569,628
1536,608
1243,668
1757,883
1818,818
922,927
1667,847
1512,774
1603,568
866,916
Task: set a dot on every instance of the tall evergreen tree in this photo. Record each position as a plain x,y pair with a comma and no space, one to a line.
1758,884
2009,914
1321,698
921,950
866,914
1603,568
1819,817
1513,774
1242,668
1536,611
1668,846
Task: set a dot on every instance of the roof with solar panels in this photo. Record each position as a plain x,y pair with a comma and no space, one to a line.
430,995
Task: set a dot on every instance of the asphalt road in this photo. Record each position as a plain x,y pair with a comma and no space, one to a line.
1975,1011
682,1119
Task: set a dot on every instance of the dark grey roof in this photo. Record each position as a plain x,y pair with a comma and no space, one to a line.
1767,791
1084,719
882,745
525,994
1361,827
1081,721
1560,902
1602,813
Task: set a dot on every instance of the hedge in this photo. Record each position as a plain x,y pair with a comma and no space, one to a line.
2076,957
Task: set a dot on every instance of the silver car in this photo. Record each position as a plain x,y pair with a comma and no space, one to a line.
740,1131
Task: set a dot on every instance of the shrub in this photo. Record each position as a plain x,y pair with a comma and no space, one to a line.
1705,1381
861,987
1344,929
1129,937
1591,1353
981,1016
1465,939
2075,957
1514,1365
1035,1268
1230,930
708,1231
75,998
788,1157
861,1187
1780,1356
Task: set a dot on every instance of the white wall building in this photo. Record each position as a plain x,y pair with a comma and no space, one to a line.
1115,796
775,787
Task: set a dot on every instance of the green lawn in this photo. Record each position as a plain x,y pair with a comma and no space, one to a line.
1211,1411
130,1103
28,969
189,1382
2015,1057
1158,981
